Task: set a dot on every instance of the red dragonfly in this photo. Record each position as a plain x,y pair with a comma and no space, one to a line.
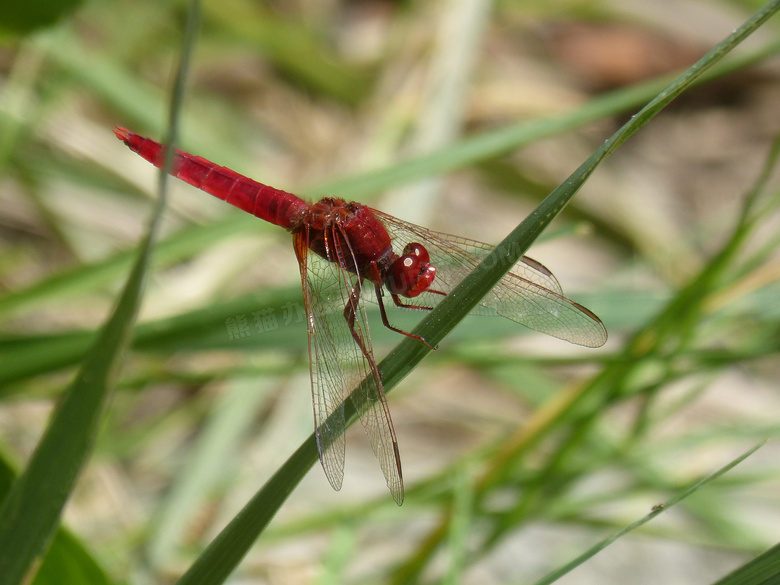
349,253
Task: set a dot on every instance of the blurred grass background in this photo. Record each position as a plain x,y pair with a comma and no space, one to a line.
519,451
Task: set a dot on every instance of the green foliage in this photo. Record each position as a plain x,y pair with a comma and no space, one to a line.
594,444
23,17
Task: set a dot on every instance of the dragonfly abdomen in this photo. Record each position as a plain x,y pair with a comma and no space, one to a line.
273,205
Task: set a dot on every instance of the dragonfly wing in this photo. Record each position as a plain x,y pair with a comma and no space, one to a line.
327,379
368,395
545,311
344,362
528,294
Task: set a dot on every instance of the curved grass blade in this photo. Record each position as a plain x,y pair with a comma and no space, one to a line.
68,560
497,142
30,513
226,551
763,570
570,566
476,285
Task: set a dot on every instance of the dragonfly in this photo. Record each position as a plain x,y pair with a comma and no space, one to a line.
350,254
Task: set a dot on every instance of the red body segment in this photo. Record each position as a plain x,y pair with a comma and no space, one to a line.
273,205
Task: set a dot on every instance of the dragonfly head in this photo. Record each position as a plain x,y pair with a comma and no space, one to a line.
411,273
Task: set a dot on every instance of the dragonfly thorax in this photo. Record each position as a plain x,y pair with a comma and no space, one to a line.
348,234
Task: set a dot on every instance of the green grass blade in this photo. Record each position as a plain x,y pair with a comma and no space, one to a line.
474,287
460,527
495,143
30,512
273,34
568,567
68,560
224,553
763,570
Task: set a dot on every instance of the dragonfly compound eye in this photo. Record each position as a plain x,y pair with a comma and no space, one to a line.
412,273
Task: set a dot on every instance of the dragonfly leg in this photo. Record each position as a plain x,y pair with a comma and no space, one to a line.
377,280
399,303
386,322
350,311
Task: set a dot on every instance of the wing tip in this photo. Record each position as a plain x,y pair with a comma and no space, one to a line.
600,335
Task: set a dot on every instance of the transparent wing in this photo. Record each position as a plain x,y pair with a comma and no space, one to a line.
327,378
341,362
528,294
